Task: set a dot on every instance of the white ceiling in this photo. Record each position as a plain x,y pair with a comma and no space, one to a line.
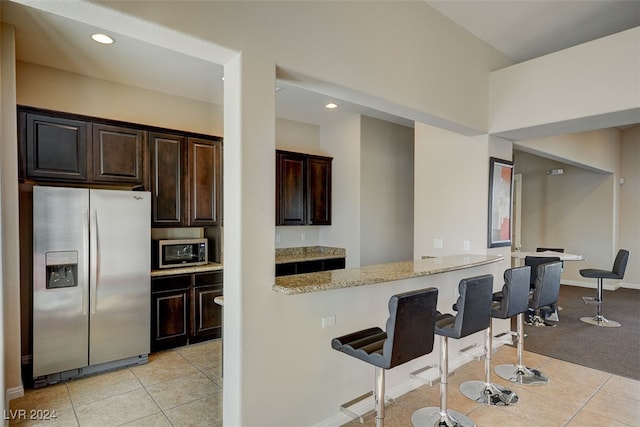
520,29
527,29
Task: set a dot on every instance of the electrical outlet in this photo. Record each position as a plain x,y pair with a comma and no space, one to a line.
303,237
467,245
328,321
277,238
437,243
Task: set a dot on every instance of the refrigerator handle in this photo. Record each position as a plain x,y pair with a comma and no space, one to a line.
93,250
85,262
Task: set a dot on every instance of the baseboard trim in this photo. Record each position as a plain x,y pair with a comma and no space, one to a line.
607,286
365,405
13,393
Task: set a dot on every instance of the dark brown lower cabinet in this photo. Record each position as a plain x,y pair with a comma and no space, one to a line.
207,320
170,311
302,267
183,310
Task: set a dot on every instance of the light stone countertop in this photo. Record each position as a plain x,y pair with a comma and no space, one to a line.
350,277
212,266
308,253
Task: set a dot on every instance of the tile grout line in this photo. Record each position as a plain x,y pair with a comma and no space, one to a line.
151,397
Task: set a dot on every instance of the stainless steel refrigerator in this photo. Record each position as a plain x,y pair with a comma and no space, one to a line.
91,280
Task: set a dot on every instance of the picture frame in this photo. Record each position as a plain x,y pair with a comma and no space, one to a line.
500,206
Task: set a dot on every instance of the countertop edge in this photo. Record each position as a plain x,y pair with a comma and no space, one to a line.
212,266
325,285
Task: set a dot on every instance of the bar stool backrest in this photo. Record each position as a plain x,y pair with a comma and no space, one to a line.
547,286
534,262
473,306
620,263
410,326
515,293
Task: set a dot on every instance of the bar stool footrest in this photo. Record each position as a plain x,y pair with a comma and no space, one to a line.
430,382
468,352
591,300
362,417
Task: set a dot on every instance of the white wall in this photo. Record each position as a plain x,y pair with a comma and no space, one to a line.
342,138
386,197
9,234
598,150
301,138
451,188
594,215
573,211
46,87
445,69
591,86
630,204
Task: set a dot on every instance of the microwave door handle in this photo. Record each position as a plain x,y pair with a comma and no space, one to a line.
85,262
94,261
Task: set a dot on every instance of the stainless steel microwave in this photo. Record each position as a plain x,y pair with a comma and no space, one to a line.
180,253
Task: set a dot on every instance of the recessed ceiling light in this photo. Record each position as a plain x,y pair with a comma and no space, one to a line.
331,106
102,38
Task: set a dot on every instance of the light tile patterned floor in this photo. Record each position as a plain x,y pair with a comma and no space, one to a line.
574,397
183,387
180,387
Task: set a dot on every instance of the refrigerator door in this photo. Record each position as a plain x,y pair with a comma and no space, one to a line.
120,275
60,282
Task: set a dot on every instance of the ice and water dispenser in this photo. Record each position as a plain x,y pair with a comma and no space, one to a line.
62,269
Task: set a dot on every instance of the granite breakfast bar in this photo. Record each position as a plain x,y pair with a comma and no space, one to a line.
313,308
379,273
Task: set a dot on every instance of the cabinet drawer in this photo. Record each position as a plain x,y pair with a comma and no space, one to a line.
203,279
170,283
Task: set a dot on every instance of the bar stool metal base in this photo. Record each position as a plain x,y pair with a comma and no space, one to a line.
431,416
600,321
521,375
488,394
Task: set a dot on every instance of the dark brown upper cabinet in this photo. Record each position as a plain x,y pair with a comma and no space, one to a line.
118,154
168,179
204,172
61,147
185,180
303,189
54,148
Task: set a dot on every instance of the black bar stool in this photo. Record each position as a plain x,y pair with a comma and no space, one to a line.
617,272
473,315
511,301
536,318
409,334
545,292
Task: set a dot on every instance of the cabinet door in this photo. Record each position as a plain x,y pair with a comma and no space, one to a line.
167,180
319,191
169,319
207,320
117,154
204,182
57,148
290,192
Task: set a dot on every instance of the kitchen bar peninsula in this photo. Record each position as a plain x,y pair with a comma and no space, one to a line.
351,277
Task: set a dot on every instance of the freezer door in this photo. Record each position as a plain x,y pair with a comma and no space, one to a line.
60,279
120,275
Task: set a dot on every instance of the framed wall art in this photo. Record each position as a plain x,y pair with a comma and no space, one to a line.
500,194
